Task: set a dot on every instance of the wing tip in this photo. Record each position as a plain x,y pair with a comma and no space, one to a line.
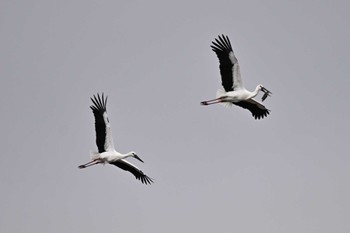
262,115
145,179
221,44
99,102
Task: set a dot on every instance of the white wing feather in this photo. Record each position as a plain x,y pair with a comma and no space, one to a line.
109,145
236,72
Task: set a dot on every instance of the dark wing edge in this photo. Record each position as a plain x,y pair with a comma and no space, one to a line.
257,112
99,108
222,47
134,170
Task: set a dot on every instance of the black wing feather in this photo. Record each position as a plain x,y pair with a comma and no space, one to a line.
98,108
258,113
136,172
222,47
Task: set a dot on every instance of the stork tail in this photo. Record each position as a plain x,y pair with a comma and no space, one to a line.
221,93
94,155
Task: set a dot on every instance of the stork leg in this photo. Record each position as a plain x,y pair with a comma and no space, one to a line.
93,162
213,101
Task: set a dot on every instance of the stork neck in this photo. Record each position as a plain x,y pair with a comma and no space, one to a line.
255,92
129,154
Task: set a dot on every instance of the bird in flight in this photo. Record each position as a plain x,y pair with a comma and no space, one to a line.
235,92
104,141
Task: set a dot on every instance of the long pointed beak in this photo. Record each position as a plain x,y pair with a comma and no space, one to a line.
137,157
266,91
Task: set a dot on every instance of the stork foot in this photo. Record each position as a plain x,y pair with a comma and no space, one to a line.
204,103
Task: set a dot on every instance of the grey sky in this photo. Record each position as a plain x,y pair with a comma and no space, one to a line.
216,169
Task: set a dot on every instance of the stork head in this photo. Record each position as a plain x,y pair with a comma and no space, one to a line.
260,87
133,154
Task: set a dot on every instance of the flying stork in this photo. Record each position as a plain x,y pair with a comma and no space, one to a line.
235,93
104,141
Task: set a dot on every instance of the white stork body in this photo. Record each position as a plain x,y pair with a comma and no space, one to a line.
104,141
235,92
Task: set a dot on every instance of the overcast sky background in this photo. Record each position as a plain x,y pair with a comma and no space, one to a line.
216,169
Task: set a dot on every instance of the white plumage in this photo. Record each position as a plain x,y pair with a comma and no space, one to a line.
104,141
235,92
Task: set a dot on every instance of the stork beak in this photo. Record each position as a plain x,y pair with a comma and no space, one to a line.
266,91
137,157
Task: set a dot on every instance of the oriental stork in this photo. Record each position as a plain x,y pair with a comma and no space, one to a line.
106,152
235,93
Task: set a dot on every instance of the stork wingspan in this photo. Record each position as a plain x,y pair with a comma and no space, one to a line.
257,109
125,165
229,67
103,130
